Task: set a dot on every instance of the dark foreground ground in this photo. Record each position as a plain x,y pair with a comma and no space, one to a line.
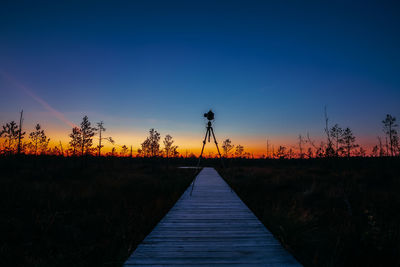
326,212
74,212
94,212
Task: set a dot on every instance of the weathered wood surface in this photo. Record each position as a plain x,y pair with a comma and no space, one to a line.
211,227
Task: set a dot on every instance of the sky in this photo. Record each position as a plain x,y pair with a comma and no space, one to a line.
266,68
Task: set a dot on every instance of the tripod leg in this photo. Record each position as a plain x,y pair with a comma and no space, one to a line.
201,154
204,143
216,143
220,156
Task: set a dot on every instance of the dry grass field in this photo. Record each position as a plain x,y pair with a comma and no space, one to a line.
73,212
327,212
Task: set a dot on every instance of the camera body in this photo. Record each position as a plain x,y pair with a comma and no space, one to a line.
209,115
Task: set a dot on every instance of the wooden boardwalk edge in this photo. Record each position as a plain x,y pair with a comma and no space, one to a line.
211,227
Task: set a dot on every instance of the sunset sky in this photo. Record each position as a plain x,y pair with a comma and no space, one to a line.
267,68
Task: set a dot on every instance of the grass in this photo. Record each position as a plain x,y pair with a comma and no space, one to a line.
335,212
74,212
95,211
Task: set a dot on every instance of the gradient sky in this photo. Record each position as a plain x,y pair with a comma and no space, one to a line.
267,68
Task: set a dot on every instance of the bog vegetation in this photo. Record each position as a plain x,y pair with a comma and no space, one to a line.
326,212
89,140
330,203
71,212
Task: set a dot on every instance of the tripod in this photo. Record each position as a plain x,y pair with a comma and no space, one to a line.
209,131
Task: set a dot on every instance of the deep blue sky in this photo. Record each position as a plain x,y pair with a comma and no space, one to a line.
267,68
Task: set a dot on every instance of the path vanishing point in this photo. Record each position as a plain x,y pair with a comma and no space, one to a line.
211,227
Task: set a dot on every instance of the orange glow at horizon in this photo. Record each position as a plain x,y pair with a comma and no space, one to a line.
189,145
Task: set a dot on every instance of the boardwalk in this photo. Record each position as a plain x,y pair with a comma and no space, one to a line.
213,227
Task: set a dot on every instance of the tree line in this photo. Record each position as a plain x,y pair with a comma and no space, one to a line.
339,142
81,142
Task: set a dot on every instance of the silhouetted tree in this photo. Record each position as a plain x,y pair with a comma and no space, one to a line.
61,149
381,149
396,144
310,153
174,151
54,151
101,129
39,140
76,140
112,153
348,141
389,128
239,151
169,148
281,152
317,149
151,146
375,151
320,151
336,134
124,150
227,146
87,133
329,151
291,153
361,152
301,142
20,133
246,155
145,151
10,133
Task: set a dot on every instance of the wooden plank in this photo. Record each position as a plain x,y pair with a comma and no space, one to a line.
211,227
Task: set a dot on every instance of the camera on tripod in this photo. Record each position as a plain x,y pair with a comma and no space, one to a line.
209,115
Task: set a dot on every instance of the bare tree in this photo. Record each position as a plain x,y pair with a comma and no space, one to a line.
329,151
348,141
301,142
20,133
101,129
311,142
227,146
389,128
